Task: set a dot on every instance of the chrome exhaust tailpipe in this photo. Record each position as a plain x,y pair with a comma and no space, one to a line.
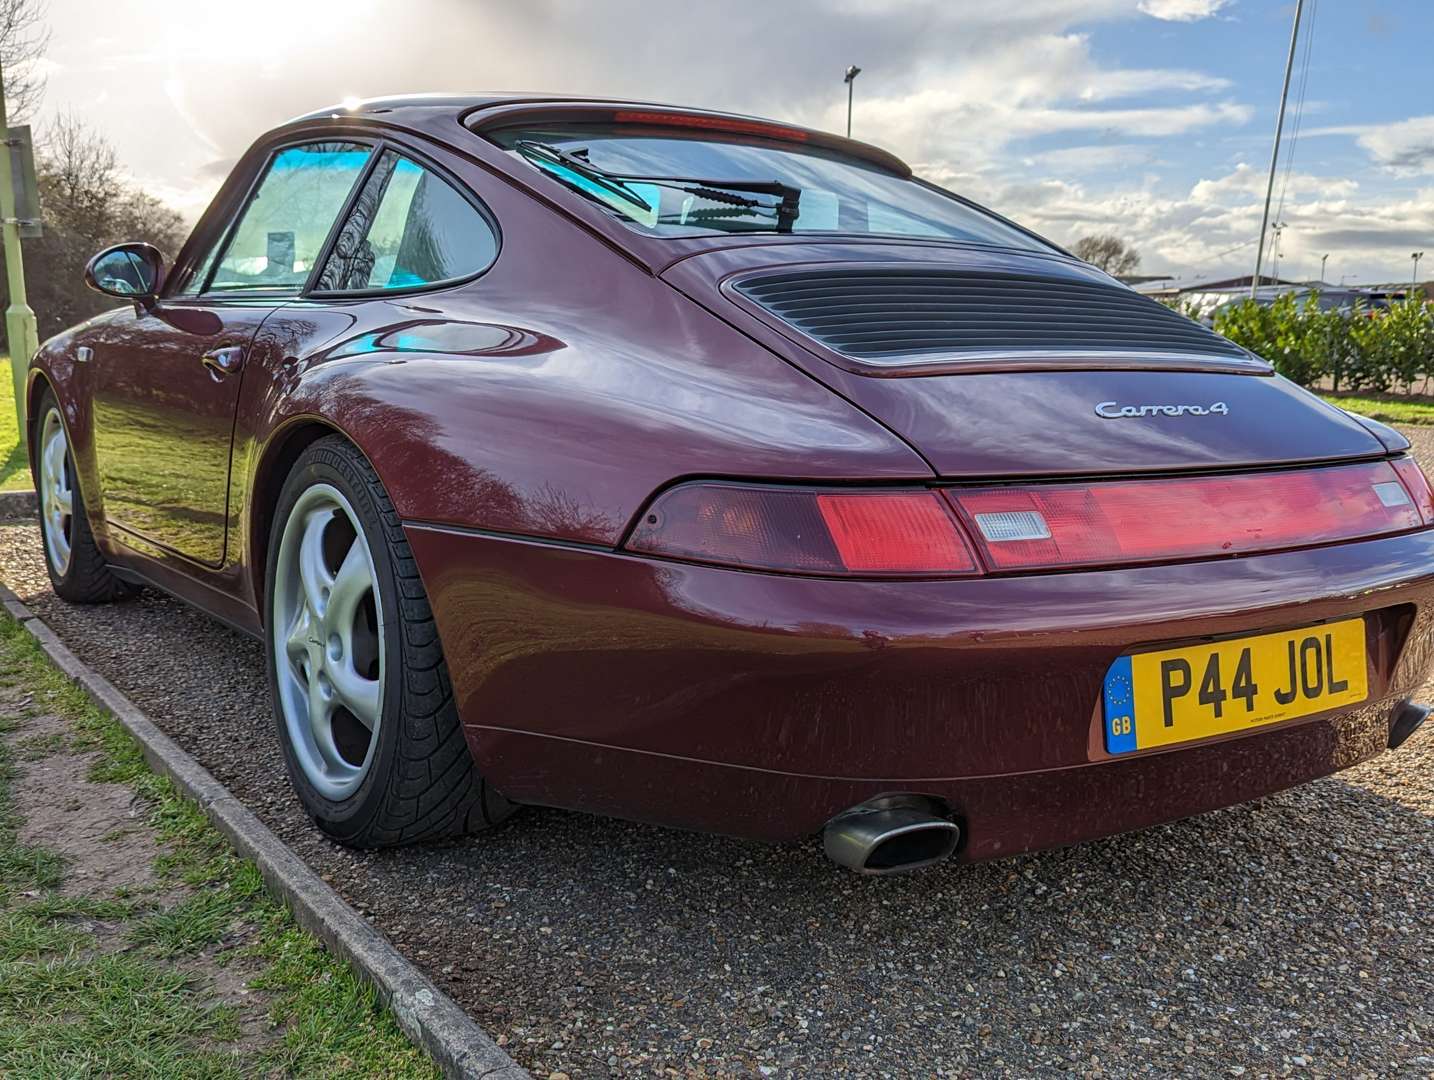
890,835
1407,719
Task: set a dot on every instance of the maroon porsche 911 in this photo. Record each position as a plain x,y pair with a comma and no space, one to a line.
719,473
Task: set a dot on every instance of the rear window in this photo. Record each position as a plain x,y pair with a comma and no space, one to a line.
671,183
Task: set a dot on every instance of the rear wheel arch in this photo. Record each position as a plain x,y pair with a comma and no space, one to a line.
282,450
279,456
417,779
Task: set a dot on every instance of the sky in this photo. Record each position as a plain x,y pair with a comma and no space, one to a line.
1152,119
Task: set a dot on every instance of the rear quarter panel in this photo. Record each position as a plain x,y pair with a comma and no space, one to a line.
571,384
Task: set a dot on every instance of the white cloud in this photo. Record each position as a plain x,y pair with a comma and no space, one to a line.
1091,159
1247,181
1104,85
1212,228
1182,10
1404,147
1018,105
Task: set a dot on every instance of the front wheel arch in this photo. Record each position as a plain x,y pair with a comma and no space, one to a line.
39,385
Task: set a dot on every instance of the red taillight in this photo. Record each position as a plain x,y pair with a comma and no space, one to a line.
831,532
710,123
1418,485
1045,526
1032,526
910,533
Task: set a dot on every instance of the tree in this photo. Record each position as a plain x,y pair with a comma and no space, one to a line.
1108,252
86,204
24,36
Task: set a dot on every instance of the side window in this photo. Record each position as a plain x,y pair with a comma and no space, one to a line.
408,227
287,220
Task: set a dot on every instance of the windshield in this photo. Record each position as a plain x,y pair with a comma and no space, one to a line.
671,183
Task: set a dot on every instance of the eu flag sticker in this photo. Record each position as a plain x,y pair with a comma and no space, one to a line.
1119,708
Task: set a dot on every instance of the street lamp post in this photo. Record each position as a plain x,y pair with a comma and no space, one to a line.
851,73
1278,228
1414,281
1322,260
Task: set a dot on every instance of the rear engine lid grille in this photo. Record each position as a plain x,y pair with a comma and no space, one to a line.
898,316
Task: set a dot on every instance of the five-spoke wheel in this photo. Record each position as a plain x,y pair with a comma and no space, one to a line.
56,490
77,567
329,636
362,701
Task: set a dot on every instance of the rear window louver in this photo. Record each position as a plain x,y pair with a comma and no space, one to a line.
898,316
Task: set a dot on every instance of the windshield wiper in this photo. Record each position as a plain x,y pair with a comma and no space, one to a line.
573,162
733,194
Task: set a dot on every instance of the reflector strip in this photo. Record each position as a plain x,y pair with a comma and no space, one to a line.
1150,520
954,532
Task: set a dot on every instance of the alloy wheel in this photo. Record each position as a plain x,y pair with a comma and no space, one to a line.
57,493
327,622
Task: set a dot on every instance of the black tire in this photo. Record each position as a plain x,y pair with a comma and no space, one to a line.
421,782
87,579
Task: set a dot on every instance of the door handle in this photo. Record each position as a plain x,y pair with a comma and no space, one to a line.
224,362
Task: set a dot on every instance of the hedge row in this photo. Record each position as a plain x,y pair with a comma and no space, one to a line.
1360,349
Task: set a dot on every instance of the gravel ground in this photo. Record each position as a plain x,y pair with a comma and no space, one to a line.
1285,936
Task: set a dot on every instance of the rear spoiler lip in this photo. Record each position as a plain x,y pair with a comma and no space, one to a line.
550,110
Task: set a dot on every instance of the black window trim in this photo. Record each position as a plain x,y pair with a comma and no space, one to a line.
377,144
226,237
402,150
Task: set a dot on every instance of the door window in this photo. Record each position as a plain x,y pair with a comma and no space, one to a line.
281,232
409,227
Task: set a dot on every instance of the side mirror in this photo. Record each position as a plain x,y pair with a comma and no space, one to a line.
128,271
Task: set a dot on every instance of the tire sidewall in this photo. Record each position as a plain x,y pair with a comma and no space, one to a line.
346,819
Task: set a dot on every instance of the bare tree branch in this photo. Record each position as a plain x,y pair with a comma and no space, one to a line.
24,37
1107,251
88,203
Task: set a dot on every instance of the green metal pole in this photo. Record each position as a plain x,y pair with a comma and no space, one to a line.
20,329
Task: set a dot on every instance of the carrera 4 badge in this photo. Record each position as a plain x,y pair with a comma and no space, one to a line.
1113,410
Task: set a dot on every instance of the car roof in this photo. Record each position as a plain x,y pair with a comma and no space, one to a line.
399,104
417,111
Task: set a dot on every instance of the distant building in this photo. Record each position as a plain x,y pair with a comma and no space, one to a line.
1203,297
1168,288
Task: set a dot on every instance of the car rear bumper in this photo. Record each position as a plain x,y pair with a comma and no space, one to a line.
761,705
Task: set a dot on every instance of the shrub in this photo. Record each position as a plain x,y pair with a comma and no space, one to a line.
1357,349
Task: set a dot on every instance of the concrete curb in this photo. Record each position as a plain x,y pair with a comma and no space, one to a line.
426,1014
18,504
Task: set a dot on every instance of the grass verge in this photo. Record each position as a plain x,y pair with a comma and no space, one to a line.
1390,408
14,469
137,998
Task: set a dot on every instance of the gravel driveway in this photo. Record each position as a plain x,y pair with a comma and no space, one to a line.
1287,935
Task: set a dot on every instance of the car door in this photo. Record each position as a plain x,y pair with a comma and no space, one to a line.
166,381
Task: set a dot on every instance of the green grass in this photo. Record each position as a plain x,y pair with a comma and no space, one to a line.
14,469
1390,408
70,1007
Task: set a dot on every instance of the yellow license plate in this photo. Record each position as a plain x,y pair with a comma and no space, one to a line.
1179,695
